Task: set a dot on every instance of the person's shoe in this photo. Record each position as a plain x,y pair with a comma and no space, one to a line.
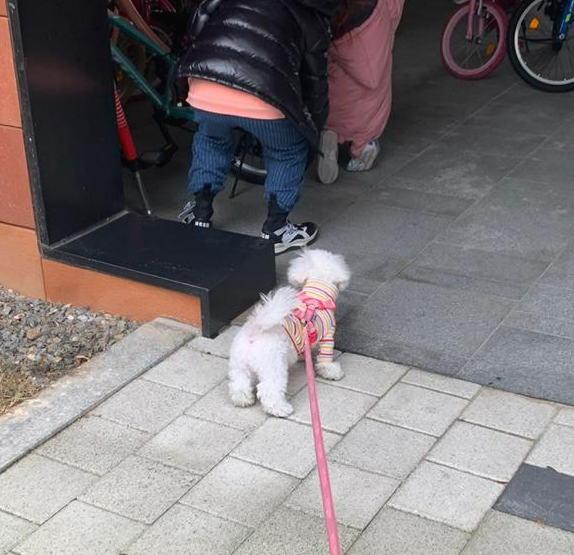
328,157
366,159
199,212
291,236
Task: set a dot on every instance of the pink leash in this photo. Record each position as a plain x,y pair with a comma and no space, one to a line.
322,469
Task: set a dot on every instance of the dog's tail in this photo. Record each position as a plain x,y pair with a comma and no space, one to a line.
273,309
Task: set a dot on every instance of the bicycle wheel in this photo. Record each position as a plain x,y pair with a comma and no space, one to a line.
479,56
538,56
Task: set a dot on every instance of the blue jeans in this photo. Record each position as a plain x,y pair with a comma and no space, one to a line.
285,152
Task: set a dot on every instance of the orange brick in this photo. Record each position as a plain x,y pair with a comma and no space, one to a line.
9,102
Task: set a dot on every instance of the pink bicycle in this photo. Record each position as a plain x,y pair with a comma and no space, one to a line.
473,43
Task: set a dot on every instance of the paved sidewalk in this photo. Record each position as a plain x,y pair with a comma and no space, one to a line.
421,464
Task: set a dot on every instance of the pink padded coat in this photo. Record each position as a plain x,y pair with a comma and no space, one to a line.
360,75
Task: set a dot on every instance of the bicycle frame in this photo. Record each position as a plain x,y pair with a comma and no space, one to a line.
566,19
162,102
475,8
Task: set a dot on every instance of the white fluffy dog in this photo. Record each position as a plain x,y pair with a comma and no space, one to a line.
272,339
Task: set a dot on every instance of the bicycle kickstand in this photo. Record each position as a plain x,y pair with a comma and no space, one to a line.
243,146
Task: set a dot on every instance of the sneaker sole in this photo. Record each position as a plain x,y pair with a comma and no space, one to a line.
327,166
299,243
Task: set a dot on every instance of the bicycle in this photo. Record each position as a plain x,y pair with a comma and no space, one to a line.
473,42
540,45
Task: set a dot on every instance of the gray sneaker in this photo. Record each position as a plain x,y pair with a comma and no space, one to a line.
291,236
328,157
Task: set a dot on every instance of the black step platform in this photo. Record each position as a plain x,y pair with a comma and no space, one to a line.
227,271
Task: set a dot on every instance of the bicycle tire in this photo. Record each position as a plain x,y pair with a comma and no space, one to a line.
499,18
515,55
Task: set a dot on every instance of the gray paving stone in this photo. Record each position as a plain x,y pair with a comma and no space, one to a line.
284,446
340,408
36,488
217,407
501,533
381,448
541,495
537,323
357,495
94,444
146,406
295,533
139,489
30,424
13,530
376,268
527,363
444,205
481,451
219,346
241,492
544,166
509,413
189,370
368,375
555,450
418,409
191,444
565,417
399,533
464,174
186,531
458,388
297,379
561,271
81,530
482,265
447,495
431,317
518,219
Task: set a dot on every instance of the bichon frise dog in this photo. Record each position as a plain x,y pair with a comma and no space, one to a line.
273,337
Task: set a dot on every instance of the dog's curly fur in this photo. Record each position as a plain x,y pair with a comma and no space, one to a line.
262,353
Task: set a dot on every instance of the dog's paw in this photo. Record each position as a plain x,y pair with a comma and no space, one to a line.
330,371
242,398
280,410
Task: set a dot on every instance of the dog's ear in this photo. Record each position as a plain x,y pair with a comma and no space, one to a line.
298,272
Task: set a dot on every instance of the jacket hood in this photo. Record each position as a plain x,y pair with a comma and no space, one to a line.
326,7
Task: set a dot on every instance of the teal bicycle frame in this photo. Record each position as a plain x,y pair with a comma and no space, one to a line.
162,102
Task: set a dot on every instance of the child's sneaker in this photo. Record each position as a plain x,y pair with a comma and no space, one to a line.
199,212
327,159
291,236
187,216
366,159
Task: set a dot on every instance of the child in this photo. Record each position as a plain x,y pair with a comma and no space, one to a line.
360,67
260,65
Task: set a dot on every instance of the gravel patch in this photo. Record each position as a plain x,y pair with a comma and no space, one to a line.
41,341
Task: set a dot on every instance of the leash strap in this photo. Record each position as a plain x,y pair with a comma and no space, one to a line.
322,468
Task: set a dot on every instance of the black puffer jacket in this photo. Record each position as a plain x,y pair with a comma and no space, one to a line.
274,49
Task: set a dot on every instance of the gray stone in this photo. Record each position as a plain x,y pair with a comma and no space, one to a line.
357,495
241,492
13,530
368,375
36,488
94,444
458,388
186,531
381,448
447,495
294,533
509,413
555,450
146,406
538,323
340,408
527,363
399,533
219,346
518,219
139,489
565,417
216,406
32,423
189,370
191,444
541,495
418,409
375,268
561,271
501,533
481,451
284,446
82,530
544,166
